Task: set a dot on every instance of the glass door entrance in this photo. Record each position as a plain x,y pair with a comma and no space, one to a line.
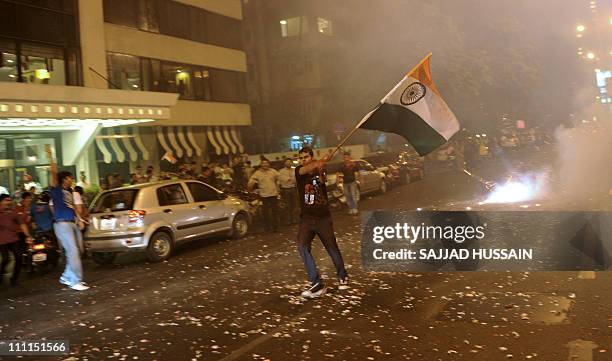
7,175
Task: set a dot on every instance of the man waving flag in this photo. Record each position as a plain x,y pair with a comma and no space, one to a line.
415,110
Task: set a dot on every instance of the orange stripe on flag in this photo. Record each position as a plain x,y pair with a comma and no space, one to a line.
422,73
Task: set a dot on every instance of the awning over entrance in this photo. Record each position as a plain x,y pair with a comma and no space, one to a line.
225,139
178,141
80,113
121,144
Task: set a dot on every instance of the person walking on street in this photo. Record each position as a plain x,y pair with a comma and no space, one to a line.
10,224
65,202
349,183
315,219
286,179
266,179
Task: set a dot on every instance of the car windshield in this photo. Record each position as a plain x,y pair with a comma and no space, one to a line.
119,200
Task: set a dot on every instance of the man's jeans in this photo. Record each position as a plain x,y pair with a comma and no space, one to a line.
67,234
289,196
269,208
323,227
17,249
351,193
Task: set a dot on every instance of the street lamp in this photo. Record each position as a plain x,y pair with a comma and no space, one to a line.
580,28
590,56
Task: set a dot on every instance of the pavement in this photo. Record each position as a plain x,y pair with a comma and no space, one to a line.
224,299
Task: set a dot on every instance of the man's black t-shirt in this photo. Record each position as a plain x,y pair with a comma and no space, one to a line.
348,173
312,194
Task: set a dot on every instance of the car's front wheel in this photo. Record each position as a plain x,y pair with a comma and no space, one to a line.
160,247
240,226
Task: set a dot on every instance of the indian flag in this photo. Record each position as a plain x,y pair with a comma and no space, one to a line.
415,110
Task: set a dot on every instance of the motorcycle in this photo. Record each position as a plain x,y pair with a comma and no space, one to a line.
43,253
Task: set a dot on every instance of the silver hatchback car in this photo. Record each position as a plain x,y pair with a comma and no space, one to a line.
154,217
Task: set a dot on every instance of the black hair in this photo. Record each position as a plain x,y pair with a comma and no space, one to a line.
63,175
4,196
25,195
306,150
79,190
45,196
346,153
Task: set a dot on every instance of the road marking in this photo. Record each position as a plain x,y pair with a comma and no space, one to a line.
580,350
586,275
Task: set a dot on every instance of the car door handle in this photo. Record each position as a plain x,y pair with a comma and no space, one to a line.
167,210
202,206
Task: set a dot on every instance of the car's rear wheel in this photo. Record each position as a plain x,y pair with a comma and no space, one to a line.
160,247
240,226
103,258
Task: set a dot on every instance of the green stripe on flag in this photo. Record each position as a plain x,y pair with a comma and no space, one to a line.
401,120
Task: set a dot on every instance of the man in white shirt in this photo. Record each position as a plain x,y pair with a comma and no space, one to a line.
266,179
286,179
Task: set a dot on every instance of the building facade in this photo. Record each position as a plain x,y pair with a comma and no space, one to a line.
115,84
297,61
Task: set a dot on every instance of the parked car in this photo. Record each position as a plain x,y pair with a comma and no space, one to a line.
155,217
368,179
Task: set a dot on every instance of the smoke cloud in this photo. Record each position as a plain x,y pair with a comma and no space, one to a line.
585,159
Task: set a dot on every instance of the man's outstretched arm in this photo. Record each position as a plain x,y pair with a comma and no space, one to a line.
53,180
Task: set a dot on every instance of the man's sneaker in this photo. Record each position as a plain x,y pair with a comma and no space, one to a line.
343,284
64,281
80,286
316,290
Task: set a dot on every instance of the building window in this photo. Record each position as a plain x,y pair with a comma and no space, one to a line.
31,151
174,19
8,61
121,12
324,26
202,87
228,86
223,31
61,5
177,78
124,71
42,64
294,26
147,16
190,81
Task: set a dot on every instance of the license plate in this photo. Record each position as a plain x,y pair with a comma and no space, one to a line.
39,257
108,224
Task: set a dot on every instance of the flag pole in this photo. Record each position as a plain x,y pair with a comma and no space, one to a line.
350,134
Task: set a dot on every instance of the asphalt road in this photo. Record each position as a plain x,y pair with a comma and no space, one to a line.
239,300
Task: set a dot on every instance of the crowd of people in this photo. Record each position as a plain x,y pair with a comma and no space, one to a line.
60,213
57,213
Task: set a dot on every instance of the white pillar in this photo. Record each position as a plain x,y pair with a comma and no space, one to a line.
93,44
